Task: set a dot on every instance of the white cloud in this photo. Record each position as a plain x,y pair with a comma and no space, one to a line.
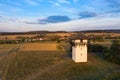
87,24
55,3
58,3
71,10
75,0
64,1
80,24
32,2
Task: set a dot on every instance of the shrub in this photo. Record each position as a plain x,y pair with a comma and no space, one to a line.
59,47
58,41
97,48
114,52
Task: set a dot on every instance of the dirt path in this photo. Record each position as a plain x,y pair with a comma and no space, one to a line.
7,61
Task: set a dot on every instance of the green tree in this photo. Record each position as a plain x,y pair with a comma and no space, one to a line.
114,52
55,38
97,48
40,36
115,48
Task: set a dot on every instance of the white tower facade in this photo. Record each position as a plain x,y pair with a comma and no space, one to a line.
79,49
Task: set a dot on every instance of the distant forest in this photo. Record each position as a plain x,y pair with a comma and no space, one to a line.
44,32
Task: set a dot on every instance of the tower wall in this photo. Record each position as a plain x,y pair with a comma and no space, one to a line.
73,53
79,52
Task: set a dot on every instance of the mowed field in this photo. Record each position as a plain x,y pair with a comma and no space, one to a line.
38,61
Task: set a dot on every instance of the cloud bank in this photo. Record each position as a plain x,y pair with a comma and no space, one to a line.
78,24
54,19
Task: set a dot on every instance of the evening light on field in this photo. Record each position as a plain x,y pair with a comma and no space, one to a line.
59,39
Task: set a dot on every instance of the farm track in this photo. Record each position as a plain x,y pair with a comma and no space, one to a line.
5,57
6,61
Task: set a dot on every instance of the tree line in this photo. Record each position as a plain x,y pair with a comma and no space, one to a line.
111,54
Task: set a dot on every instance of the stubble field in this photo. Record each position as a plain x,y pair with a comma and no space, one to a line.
46,61
39,46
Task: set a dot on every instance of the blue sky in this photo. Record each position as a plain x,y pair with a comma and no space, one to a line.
67,15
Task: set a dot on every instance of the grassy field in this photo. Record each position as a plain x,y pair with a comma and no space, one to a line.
53,64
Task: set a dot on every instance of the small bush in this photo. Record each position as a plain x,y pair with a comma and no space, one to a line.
59,47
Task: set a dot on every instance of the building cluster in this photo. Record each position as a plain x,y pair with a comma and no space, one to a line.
35,38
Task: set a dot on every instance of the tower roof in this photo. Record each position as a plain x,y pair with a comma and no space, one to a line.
79,36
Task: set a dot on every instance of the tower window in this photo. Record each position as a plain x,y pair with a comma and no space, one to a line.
81,40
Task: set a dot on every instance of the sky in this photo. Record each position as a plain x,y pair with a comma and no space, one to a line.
59,15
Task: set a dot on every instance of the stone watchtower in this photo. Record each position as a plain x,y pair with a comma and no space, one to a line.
79,48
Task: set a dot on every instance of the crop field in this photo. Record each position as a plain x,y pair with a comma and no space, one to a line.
5,51
39,46
112,34
51,65
5,48
27,63
15,36
44,61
